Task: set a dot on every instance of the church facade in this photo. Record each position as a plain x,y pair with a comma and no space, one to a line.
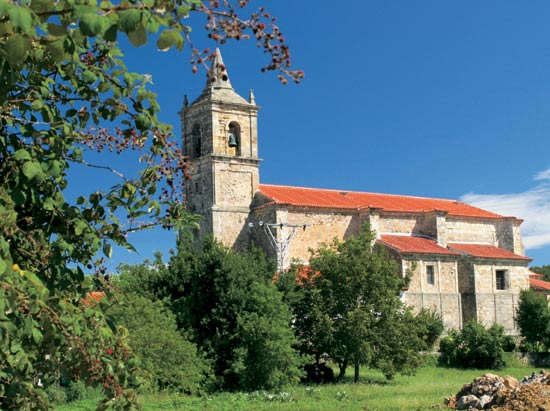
465,263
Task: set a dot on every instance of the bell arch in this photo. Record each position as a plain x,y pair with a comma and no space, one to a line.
234,138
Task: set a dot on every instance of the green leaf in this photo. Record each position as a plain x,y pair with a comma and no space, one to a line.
22,154
37,104
56,29
107,250
90,24
32,170
16,49
138,37
168,39
57,49
129,20
21,18
3,266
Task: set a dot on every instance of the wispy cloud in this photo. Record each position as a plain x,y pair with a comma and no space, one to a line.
543,175
533,206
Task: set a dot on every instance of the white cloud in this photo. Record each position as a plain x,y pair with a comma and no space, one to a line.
533,206
543,175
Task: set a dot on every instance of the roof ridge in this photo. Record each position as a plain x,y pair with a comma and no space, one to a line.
366,192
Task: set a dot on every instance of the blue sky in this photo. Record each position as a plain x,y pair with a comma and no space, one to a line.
430,98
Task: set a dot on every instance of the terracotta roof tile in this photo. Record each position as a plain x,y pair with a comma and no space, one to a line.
486,251
322,198
539,285
416,245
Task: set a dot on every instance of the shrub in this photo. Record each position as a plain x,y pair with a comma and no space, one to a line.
474,347
169,360
56,394
429,327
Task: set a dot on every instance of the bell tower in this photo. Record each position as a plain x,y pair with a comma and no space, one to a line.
220,137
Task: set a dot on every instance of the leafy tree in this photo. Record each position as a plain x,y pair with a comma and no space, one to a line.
346,304
234,313
64,93
169,360
474,347
543,269
533,320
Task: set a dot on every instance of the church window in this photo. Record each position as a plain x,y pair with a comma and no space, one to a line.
430,274
500,278
197,141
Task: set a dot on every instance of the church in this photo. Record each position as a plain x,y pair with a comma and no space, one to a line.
465,263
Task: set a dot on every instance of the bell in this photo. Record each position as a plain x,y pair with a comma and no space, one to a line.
232,140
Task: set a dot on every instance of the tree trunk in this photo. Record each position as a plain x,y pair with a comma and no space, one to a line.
342,365
356,372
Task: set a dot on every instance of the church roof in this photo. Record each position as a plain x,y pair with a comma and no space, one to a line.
414,245
338,199
486,251
537,283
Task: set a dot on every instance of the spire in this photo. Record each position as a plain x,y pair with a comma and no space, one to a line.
251,98
218,87
217,75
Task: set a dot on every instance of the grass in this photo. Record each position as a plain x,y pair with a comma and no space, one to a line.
373,393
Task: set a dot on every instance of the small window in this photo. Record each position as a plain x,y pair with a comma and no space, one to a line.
430,275
501,279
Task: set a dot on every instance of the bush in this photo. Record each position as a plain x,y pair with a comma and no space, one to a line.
56,394
474,347
429,328
169,360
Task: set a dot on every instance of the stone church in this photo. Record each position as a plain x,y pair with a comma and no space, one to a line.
467,263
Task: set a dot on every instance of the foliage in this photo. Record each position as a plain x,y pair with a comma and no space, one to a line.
168,359
65,93
228,304
429,327
346,305
474,347
533,320
542,269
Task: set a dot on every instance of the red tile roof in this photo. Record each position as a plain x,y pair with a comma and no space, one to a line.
539,285
322,198
486,251
416,245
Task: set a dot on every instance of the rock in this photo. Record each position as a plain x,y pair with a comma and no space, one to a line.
485,401
467,401
510,382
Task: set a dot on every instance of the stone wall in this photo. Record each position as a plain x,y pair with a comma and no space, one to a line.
460,230
442,297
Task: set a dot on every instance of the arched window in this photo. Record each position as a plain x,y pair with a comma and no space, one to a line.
197,141
234,137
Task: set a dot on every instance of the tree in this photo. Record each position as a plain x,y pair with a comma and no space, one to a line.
543,269
227,303
65,92
234,313
346,304
168,359
533,320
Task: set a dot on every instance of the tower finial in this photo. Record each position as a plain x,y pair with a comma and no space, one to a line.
217,75
251,98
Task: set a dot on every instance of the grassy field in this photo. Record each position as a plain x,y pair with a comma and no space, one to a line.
373,393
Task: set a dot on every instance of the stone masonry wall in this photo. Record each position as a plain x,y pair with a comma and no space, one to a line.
442,297
468,230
